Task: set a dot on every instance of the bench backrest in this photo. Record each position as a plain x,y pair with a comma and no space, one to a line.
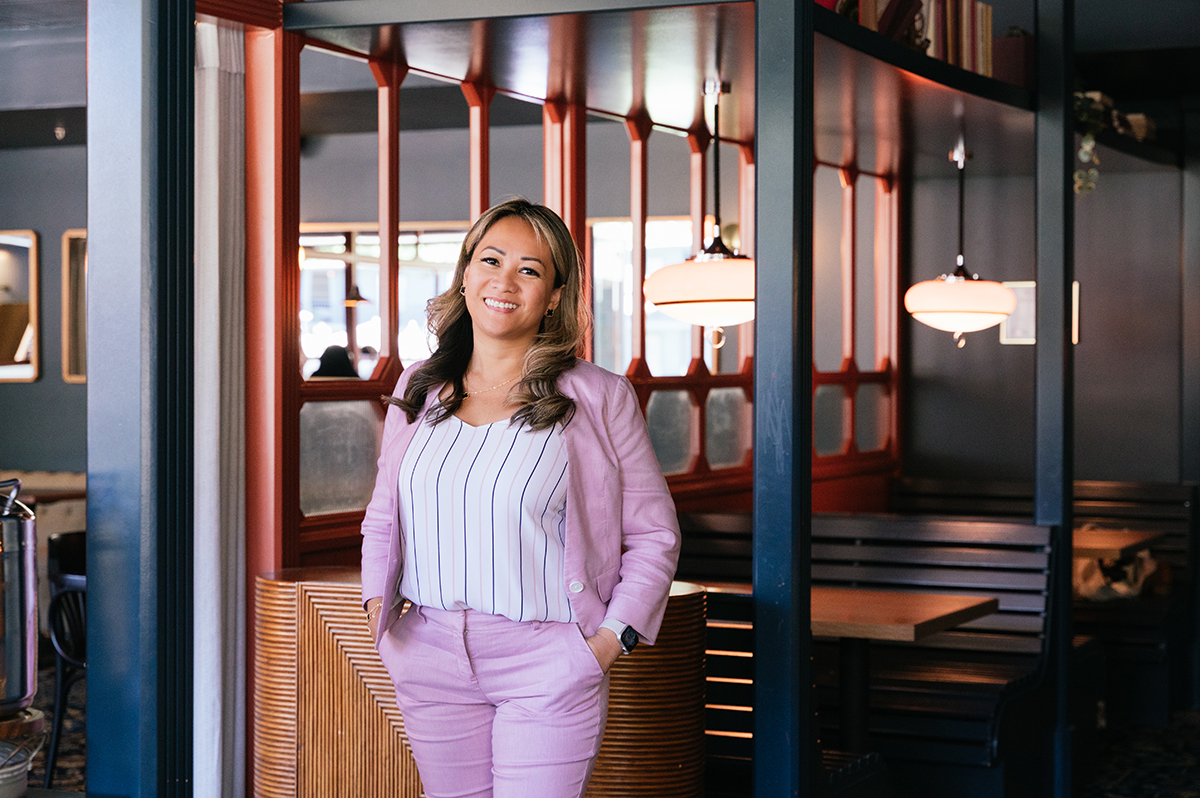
1009,560
1169,508
717,547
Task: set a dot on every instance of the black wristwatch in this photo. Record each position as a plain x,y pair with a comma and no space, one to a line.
629,639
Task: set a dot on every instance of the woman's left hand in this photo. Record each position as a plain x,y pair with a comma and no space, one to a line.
605,647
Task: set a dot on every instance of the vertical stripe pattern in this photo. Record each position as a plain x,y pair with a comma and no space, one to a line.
482,519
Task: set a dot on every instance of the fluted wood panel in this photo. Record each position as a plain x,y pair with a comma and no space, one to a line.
326,721
353,734
275,668
654,742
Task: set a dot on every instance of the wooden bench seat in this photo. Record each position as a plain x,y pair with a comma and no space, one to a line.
945,700
963,710
1150,642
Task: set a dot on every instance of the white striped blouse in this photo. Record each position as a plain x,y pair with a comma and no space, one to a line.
482,519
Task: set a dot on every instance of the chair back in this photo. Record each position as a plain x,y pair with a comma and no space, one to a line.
68,625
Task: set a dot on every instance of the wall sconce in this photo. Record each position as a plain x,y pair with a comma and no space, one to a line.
714,287
960,302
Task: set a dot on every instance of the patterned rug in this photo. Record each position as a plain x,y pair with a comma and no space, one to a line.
1147,763
70,770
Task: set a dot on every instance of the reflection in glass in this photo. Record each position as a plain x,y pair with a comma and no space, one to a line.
335,262
870,417
339,445
668,341
828,344
672,418
727,427
18,306
74,280
829,419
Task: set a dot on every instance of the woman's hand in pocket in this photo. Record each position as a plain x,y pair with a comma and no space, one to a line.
606,648
374,614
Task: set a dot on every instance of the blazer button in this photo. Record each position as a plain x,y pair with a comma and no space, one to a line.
575,587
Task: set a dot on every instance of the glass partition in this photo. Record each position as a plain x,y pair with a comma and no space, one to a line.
18,306
340,324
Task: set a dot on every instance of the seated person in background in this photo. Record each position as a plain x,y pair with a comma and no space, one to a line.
335,362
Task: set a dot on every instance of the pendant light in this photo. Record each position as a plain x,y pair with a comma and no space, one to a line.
960,302
354,297
714,287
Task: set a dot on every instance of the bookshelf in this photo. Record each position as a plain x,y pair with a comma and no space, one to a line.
870,43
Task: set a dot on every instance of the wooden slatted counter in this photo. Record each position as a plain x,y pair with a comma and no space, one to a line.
326,722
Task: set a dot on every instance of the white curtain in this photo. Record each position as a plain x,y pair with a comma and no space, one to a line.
220,545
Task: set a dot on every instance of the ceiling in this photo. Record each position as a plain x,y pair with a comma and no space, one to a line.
614,62
28,14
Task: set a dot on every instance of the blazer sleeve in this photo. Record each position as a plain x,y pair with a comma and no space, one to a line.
379,522
650,536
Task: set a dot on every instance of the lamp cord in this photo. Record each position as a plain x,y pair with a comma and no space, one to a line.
717,162
959,156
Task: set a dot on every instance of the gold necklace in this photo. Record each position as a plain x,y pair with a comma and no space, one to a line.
469,394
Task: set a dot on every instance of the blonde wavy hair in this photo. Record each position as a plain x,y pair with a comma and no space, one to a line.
540,404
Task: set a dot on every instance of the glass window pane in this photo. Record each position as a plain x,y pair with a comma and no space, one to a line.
827,269
871,417
864,273
728,427
829,419
339,446
668,341
672,418
612,294
322,308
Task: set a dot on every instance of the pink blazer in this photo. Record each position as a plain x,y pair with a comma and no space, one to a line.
622,534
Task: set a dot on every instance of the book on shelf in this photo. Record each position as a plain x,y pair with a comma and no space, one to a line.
1013,59
958,32
898,17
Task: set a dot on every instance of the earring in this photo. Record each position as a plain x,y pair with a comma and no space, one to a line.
462,289
549,312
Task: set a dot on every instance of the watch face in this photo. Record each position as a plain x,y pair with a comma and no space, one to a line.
629,639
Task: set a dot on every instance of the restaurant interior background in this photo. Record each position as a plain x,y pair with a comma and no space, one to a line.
968,412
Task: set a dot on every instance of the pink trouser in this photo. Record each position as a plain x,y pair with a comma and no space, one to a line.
493,707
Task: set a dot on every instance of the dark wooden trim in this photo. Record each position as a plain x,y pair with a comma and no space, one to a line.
39,127
174,27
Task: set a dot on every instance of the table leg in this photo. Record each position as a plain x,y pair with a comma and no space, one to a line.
854,680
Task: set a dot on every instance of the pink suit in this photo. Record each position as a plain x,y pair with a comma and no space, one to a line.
622,545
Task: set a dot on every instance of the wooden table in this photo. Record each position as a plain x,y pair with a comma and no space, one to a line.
1112,544
858,616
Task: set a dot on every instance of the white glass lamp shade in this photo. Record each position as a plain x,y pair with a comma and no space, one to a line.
711,291
959,305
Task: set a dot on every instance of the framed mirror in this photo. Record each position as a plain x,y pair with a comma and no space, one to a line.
74,306
18,306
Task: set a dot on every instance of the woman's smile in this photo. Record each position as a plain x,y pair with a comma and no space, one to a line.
509,283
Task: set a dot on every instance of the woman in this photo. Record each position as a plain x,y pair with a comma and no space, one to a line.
519,507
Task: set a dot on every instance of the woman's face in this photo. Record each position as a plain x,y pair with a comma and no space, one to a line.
510,282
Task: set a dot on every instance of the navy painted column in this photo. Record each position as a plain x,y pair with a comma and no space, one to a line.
783,739
1055,367
140,189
